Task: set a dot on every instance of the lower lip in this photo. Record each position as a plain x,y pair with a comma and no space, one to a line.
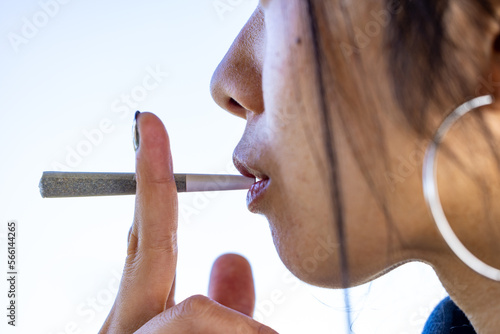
255,194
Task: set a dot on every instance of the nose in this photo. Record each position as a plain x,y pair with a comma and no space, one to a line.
236,84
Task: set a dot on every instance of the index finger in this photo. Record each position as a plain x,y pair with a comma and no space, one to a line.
152,251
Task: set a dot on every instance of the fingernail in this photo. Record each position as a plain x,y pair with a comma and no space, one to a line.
135,132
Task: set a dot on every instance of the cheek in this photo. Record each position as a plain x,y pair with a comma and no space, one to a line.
298,210
300,207
302,216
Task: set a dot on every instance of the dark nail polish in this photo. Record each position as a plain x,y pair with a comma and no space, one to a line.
135,132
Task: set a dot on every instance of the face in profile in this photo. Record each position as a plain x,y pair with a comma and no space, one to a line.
338,107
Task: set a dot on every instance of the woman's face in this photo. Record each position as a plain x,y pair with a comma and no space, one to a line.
269,77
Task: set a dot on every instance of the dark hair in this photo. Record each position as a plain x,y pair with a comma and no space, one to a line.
419,43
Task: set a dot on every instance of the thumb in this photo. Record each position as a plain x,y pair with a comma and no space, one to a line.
231,283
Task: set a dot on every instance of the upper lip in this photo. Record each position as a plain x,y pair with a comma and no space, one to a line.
248,171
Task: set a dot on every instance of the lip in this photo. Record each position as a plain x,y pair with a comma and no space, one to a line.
257,190
256,193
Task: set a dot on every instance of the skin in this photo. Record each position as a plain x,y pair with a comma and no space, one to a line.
145,301
269,78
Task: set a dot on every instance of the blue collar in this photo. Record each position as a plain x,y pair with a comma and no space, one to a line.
447,318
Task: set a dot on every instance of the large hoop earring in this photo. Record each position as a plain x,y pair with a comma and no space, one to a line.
431,194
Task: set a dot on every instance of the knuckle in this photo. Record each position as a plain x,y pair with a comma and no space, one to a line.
151,179
164,245
154,239
197,304
189,312
198,311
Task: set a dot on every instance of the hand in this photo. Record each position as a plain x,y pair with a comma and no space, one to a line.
145,300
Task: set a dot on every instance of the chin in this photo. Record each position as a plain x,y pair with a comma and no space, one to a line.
313,260
321,277
328,274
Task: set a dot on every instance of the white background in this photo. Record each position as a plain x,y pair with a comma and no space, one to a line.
64,69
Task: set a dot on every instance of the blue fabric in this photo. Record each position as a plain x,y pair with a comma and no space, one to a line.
447,318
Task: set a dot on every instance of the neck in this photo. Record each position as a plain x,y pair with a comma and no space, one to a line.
477,296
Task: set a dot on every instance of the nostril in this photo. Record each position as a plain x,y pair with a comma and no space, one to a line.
233,104
236,108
